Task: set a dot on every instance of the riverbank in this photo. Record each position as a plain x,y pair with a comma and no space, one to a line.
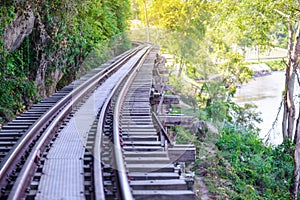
266,93
234,163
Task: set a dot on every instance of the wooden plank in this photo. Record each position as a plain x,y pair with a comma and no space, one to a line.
168,99
142,143
144,160
163,194
176,120
145,154
153,175
139,130
137,126
142,148
176,184
141,138
160,79
150,168
162,70
182,154
161,87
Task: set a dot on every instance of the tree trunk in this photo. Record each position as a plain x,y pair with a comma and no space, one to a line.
284,119
181,65
147,20
296,159
286,129
182,50
40,78
290,102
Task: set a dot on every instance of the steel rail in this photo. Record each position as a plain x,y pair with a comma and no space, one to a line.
97,168
125,188
60,109
120,167
123,179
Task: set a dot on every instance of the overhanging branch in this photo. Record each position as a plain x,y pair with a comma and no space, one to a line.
282,13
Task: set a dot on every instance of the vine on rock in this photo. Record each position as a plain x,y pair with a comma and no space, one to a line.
44,43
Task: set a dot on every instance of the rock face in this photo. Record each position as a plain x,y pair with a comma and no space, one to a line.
21,27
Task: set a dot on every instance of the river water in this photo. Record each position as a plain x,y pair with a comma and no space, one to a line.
266,93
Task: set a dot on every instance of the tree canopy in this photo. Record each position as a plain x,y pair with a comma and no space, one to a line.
221,31
44,43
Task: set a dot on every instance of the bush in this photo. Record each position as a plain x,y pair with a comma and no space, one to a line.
257,171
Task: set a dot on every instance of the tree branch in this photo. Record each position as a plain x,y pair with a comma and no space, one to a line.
267,137
285,15
282,13
298,78
285,62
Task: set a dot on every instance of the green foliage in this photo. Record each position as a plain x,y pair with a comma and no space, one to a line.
233,68
276,65
217,106
266,170
81,28
245,116
65,33
17,91
183,136
247,168
214,97
248,22
242,166
179,27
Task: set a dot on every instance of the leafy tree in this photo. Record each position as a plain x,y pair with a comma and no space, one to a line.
251,23
245,23
180,23
186,22
49,54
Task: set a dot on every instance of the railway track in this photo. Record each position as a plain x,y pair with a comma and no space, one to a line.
151,173
94,139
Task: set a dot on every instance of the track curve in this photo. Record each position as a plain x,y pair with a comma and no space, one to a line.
94,139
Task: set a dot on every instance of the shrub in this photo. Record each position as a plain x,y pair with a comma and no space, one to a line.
260,171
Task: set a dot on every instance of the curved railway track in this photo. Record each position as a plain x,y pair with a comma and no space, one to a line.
94,139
